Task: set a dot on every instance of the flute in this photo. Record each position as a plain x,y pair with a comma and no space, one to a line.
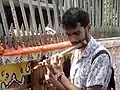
66,51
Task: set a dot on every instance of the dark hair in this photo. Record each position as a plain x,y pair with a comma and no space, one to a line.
73,16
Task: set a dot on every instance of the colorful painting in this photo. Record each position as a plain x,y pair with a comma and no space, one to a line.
14,75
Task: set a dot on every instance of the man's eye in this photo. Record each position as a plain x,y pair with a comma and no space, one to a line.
68,34
76,33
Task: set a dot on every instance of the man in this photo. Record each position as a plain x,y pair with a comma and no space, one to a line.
85,74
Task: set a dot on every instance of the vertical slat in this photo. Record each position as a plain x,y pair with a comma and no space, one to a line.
24,16
5,25
89,9
15,21
80,3
25,22
114,13
100,13
41,16
32,12
76,3
103,13
84,4
48,14
35,31
14,16
56,16
93,15
68,4
97,15
2,37
61,10
109,7
118,11
13,39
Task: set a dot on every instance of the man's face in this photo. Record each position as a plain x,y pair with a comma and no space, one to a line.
76,35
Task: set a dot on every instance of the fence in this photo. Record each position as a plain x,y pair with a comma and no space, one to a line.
36,15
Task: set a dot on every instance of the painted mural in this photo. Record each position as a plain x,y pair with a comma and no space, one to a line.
14,75
14,69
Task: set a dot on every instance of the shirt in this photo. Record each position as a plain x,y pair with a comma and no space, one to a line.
85,73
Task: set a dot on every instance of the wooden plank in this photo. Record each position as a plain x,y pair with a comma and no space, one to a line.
5,25
41,17
56,17
48,14
15,21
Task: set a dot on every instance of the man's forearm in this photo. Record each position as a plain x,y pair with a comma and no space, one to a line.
58,85
67,84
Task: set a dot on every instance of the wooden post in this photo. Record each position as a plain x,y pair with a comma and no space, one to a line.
37,77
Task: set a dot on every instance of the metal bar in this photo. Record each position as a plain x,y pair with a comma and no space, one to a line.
24,16
93,15
5,25
42,4
15,20
97,15
34,30
48,14
13,37
41,16
115,13
60,8
56,17
2,37
100,14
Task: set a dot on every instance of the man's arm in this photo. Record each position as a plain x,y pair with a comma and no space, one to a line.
69,86
57,84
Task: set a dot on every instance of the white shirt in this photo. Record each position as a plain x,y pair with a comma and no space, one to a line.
84,73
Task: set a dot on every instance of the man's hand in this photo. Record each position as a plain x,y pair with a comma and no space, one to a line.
56,63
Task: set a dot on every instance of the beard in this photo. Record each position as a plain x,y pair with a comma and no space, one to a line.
77,42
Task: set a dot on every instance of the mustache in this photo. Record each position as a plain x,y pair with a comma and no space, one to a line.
76,42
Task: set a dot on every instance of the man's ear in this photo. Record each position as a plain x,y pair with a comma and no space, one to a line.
89,26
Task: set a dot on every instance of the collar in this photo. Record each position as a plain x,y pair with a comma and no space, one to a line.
92,45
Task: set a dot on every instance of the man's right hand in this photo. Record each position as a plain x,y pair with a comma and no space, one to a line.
56,63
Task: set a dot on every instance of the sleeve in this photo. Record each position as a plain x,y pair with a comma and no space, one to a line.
100,71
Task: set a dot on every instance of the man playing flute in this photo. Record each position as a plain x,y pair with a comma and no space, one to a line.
85,73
